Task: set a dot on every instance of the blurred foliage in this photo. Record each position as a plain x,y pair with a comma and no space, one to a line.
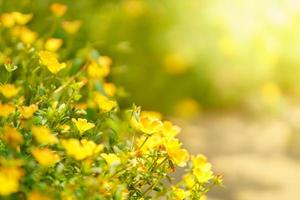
220,53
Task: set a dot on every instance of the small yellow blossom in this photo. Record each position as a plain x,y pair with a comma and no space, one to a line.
43,135
58,9
109,89
178,155
104,103
49,59
178,193
71,27
9,179
201,168
53,44
147,123
175,64
83,125
189,180
9,90
111,159
6,109
21,18
28,111
26,35
45,156
64,128
169,130
97,71
187,108
81,149
37,196
12,136
7,20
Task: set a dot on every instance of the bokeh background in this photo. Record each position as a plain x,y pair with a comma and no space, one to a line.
227,71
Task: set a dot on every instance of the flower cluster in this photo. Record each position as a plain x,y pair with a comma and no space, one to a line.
63,134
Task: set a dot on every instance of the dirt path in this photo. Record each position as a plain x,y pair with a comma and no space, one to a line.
259,157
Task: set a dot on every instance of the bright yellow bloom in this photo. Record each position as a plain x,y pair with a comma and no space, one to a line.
26,35
53,44
12,136
9,90
111,159
58,9
71,27
201,168
7,20
178,155
189,180
27,111
9,179
6,109
50,60
147,123
81,149
178,193
43,135
83,125
97,71
64,128
21,18
45,156
104,103
109,89
169,130
37,196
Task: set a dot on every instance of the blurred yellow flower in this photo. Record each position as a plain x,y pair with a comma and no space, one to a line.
109,89
6,109
187,108
37,196
178,155
58,9
169,130
71,27
28,111
49,59
53,44
104,103
12,136
21,18
45,156
201,168
178,193
83,125
7,20
81,149
175,64
9,179
43,135
9,90
111,159
26,35
271,93
98,71
189,180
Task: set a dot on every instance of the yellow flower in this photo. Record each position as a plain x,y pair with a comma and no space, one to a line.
97,71
187,108
43,135
9,179
21,18
109,89
71,27
83,125
189,180
49,59
58,9
27,111
178,193
12,136
111,159
45,156
64,128
26,35
169,130
53,44
9,90
201,168
178,155
37,196
6,109
81,149
147,123
7,20
104,103
176,64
